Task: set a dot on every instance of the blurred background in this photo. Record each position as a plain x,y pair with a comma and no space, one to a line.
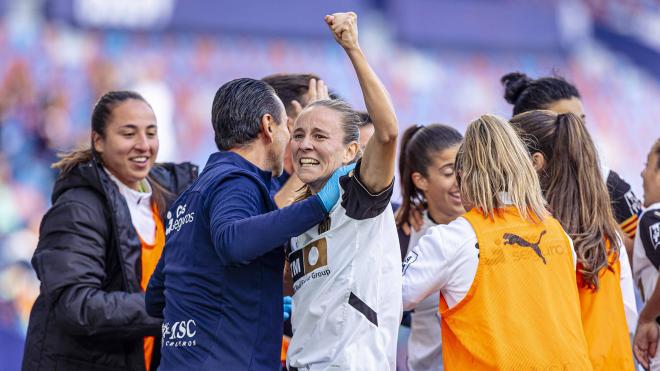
440,59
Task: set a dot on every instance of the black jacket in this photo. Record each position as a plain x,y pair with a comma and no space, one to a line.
90,313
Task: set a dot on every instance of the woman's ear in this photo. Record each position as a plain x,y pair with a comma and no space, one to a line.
97,142
538,161
419,181
350,152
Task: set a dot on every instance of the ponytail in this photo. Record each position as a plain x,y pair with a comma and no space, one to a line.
160,196
574,187
70,160
409,193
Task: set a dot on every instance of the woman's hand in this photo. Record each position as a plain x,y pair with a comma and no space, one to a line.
317,90
344,29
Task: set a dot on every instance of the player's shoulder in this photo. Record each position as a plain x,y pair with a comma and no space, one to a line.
649,226
456,234
650,215
615,182
625,202
358,201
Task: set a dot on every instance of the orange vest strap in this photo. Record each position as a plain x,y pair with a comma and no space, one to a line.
150,255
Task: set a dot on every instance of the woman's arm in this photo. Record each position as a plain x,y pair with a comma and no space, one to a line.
377,168
240,233
426,269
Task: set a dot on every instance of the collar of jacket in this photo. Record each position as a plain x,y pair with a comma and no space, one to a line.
228,157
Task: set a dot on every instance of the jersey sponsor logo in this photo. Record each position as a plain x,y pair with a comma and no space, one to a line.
634,204
410,258
306,263
179,334
175,224
654,233
513,239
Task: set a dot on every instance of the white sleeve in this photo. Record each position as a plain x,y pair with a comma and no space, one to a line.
627,291
425,268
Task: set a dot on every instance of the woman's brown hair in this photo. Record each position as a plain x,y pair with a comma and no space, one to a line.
419,144
573,185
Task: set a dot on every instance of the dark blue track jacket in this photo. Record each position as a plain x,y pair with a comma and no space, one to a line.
218,284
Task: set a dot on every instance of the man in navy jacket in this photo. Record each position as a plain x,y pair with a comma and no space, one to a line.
218,284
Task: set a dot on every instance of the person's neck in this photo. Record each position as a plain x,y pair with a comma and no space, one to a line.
439,217
318,185
136,186
255,154
651,202
288,167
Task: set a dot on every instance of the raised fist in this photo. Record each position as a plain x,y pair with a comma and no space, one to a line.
344,29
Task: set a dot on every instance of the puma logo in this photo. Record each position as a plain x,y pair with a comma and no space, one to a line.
512,239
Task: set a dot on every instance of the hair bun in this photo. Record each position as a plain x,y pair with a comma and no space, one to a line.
514,84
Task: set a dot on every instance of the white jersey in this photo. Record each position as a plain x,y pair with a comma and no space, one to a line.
646,250
347,283
425,340
646,260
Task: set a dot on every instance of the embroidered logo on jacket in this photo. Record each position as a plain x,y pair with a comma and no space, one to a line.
179,334
181,219
513,239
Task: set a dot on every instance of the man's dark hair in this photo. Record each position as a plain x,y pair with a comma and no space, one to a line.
527,94
292,86
237,110
365,119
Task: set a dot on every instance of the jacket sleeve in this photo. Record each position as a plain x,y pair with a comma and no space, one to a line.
155,296
625,204
70,262
241,232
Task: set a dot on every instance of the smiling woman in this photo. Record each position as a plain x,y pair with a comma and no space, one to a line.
130,144
428,182
347,270
99,244
325,137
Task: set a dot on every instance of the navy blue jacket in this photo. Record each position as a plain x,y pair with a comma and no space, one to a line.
218,284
